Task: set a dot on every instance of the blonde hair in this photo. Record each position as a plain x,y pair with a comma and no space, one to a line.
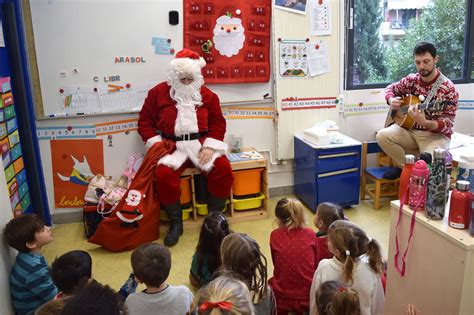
333,298
290,213
327,213
350,242
241,255
225,289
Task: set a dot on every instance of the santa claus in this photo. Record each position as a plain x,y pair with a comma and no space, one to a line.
130,213
229,35
184,111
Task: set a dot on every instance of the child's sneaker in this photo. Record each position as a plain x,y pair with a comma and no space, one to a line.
129,287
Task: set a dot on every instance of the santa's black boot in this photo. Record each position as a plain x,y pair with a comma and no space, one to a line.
176,226
215,203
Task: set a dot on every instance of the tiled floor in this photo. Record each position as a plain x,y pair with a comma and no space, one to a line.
114,268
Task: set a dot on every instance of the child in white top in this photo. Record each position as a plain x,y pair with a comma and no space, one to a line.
357,262
151,265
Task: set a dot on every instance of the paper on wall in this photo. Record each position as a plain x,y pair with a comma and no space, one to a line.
293,61
320,19
318,58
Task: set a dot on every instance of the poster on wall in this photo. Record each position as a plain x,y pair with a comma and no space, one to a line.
74,164
293,58
318,58
320,19
233,39
296,6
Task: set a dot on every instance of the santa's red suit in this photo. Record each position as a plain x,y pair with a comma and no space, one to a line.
161,117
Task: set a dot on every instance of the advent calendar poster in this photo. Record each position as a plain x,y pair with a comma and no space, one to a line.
233,39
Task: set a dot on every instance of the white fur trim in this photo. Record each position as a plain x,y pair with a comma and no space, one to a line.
202,62
215,144
209,165
188,150
150,142
187,65
174,160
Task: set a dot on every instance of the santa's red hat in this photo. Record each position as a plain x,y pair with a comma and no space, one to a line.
187,61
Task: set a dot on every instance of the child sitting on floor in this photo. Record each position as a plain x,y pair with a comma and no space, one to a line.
71,272
293,248
207,257
326,213
241,257
357,262
151,264
95,299
224,295
334,298
30,282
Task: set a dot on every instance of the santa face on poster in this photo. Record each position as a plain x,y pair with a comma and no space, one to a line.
229,35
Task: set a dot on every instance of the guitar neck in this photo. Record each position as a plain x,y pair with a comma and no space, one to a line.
431,106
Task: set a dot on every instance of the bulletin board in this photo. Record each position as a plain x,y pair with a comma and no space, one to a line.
102,56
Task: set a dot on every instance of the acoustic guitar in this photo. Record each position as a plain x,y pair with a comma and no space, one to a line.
401,117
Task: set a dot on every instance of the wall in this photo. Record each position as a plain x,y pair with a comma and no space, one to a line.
289,25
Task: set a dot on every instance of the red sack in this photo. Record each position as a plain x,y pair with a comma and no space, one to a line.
136,218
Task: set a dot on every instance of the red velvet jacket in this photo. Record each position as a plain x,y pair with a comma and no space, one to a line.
159,113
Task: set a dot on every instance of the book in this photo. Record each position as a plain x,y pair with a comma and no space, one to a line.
244,156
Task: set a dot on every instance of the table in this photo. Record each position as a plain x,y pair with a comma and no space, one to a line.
439,275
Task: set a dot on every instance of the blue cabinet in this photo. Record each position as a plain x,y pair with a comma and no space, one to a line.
327,172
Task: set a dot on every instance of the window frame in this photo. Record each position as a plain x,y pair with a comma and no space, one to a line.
468,60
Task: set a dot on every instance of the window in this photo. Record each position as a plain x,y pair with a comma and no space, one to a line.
381,36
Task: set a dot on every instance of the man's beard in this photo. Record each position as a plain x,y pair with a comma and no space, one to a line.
184,94
426,73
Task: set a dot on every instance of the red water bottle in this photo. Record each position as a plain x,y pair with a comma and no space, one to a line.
471,226
460,206
418,186
405,178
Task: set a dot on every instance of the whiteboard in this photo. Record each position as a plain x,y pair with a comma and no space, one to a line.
77,43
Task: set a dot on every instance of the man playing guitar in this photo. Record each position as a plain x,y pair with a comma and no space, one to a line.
431,128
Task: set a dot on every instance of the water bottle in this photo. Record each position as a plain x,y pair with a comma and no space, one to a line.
460,206
426,156
466,169
405,178
418,186
471,226
436,201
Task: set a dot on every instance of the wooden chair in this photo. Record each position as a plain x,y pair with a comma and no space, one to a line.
372,182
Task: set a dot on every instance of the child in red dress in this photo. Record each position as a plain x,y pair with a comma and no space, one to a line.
293,248
326,213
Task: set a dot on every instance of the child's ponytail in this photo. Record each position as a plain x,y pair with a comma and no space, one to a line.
350,243
375,255
345,301
348,267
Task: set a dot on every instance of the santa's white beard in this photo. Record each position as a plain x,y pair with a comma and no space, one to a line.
228,44
186,94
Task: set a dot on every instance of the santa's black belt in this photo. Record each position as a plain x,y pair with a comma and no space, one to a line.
185,137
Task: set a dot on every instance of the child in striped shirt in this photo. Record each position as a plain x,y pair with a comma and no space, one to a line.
30,282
